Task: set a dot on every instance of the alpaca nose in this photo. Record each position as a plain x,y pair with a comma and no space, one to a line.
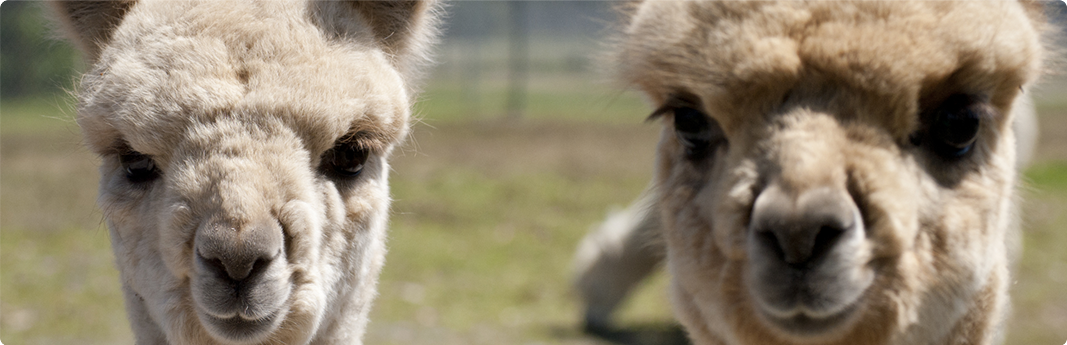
800,228
239,253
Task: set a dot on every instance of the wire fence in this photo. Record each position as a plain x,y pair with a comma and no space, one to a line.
496,55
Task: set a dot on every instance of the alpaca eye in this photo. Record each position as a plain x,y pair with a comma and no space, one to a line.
954,126
695,131
139,168
344,161
956,131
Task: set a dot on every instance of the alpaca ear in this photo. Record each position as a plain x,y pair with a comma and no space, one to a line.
89,24
404,29
394,23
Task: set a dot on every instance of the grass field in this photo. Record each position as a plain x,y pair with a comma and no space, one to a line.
487,214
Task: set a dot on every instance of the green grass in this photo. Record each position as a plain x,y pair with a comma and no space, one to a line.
1039,293
1048,177
39,114
559,98
60,287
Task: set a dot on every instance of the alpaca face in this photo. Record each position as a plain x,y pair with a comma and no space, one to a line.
239,181
244,175
834,172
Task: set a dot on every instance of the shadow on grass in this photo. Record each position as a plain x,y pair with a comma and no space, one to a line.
644,334
639,334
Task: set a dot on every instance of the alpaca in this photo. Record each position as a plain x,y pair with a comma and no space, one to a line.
828,172
244,151
625,248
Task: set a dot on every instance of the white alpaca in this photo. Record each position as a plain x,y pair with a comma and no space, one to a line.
244,148
829,172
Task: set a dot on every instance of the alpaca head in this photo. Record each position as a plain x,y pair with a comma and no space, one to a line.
244,157
835,172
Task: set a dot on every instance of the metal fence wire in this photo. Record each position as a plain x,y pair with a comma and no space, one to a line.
494,54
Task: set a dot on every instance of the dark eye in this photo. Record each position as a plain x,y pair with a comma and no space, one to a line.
956,131
953,127
696,131
139,168
344,161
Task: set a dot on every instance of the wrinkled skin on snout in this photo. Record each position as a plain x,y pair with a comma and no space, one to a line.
835,172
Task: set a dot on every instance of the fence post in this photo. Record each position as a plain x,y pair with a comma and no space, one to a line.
518,58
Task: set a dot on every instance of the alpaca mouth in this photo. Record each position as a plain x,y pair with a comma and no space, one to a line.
810,302
803,323
241,312
238,329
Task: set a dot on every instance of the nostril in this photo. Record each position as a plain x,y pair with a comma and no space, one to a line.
214,266
799,247
770,241
236,269
259,266
825,240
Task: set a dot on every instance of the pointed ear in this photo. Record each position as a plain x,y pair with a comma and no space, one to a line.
393,22
89,24
404,29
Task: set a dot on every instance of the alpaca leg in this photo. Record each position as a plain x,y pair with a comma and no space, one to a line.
614,258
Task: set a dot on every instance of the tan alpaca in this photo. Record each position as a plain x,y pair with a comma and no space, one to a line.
829,172
627,246
244,149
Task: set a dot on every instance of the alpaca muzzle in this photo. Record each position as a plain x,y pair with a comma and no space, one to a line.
240,283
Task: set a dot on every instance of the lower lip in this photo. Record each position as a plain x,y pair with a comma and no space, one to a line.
241,329
804,325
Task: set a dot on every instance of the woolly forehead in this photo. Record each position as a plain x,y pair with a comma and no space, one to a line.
168,71
885,59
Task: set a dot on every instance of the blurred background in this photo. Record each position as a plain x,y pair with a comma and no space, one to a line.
521,147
